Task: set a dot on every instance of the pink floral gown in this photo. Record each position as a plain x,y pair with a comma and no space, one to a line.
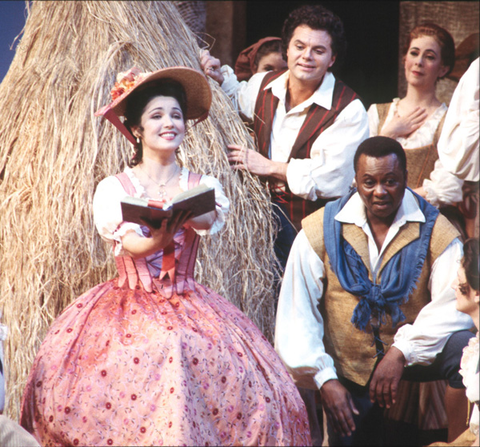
154,358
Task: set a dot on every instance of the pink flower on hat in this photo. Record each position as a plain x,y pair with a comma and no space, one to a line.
126,81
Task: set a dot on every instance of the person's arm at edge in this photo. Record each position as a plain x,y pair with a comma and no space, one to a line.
299,323
421,341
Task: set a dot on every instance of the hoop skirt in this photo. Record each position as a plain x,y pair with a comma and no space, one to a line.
154,358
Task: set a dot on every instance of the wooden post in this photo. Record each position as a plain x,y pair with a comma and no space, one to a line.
226,29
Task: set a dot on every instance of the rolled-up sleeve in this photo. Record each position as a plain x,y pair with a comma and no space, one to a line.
107,213
443,188
421,341
222,205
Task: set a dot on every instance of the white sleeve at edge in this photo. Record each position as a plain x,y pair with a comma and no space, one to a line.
299,324
421,341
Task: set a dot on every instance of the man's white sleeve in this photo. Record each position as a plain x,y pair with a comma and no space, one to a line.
299,326
242,94
421,341
459,142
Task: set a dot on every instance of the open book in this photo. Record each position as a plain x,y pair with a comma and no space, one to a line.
198,200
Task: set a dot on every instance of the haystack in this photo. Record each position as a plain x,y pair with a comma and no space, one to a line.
53,153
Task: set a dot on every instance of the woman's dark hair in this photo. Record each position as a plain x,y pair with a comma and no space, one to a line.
138,100
272,46
470,262
316,17
443,38
381,146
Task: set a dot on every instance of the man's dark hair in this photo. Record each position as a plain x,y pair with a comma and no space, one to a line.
381,147
316,17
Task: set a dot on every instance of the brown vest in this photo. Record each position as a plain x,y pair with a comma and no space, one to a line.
421,160
352,350
317,120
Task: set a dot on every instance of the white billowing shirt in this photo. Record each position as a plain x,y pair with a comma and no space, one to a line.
107,210
299,325
458,147
328,172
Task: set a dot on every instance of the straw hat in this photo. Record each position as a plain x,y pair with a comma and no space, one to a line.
197,92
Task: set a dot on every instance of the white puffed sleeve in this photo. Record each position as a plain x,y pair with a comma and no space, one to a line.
459,143
443,187
107,213
299,326
221,201
373,120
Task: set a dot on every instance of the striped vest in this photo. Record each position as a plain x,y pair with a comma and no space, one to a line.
317,120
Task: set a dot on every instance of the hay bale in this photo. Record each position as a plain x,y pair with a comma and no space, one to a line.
53,153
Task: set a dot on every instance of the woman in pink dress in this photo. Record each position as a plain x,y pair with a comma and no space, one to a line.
152,357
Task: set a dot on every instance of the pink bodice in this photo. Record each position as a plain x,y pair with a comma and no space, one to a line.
168,271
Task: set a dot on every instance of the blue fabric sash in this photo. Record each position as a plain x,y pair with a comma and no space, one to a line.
399,275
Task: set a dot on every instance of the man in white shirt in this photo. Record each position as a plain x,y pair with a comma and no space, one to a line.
307,123
366,299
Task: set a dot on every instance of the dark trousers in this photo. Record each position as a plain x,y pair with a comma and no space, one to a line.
370,425
285,236
283,243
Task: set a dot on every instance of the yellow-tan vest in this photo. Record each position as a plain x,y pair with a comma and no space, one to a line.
352,350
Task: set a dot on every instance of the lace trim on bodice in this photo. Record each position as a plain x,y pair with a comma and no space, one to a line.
140,190
423,135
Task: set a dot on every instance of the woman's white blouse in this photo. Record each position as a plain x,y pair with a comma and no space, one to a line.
108,214
423,136
445,188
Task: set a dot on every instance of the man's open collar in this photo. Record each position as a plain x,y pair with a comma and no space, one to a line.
354,211
323,96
